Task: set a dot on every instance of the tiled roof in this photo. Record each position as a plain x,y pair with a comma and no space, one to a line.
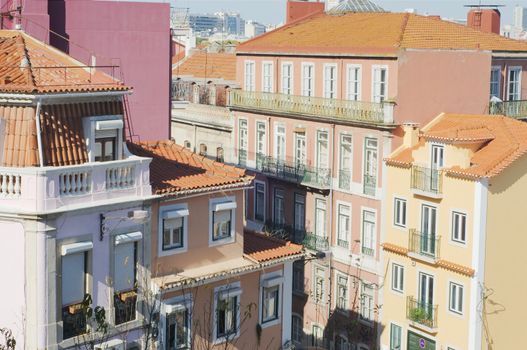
264,248
30,66
375,33
502,140
177,169
207,66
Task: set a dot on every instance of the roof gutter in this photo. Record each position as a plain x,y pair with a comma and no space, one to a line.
30,98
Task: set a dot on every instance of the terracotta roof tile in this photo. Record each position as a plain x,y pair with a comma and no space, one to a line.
207,65
375,33
175,168
28,66
264,248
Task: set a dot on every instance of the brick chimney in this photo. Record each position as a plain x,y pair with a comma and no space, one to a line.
297,9
485,20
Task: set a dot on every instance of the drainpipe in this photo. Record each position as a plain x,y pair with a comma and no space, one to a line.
195,136
330,236
39,136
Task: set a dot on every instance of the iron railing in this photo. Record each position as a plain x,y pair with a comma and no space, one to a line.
295,172
369,184
348,110
315,242
424,244
513,109
73,321
345,179
427,179
422,313
342,243
242,157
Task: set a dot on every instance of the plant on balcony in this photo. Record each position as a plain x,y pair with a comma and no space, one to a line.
418,314
97,330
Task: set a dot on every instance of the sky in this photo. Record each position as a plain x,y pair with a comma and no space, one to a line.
273,11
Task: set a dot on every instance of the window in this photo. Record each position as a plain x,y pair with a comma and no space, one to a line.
267,77
514,84
456,298
260,144
345,163
202,149
220,155
270,303
279,151
317,337
249,76
428,231
320,217
459,227
495,79
341,343
380,82
370,166
105,148
437,156
368,233
178,328
397,278
354,83
259,202
367,306
222,220
399,212
300,148
322,150
344,225
74,287
426,292
395,337
298,276
173,226
242,142
297,331
212,94
287,78
330,81
319,285
187,144
125,276
342,292
195,93
227,313
308,77
300,213
278,207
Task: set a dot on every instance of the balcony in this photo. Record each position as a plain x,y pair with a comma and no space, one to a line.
73,321
125,306
293,172
315,242
427,182
34,189
423,246
369,185
317,107
513,109
421,315
345,180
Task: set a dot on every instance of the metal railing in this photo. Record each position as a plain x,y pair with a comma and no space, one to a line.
348,110
345,179
369,184
315,242
424,244
514,109
72,75
342,243
294,172
73,321
427,179
368,251
242,157
422,313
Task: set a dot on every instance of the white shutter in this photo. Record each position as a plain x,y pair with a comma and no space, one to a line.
124,268
171,224
222,216
73,278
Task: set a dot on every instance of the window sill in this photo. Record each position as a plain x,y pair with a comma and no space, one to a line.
226,338
172,251
271,323
222,241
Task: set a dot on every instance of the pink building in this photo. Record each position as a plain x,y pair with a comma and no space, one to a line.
111,33
219,287
322,103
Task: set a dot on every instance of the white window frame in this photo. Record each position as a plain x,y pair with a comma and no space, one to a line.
342,136
401,338
83,247
498,83
312,79
291,78
228,290
280,195
347,296
367,320
519,69
293,315
257,131
400,220
175,210
319,271
398,273
90,127
349,82
269,88
181,302
320,342
453,237
456,290
303,139
381,98
318,148
440,149
348,234
365,171
374,238
229,202
275,151
271,280
249,82
257,182
330,83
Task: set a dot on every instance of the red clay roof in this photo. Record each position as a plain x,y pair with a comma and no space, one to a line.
375,33
176,169
264,248
502,140
208,66
30,66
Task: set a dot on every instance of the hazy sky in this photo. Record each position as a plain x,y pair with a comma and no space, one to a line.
273,11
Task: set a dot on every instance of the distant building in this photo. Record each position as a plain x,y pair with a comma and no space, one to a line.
253,29
520,17
205,23
232,23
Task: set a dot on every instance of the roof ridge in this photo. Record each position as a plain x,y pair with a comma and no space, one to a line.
22,51
403,28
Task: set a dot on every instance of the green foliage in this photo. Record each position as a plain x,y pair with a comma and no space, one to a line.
9,342
418,314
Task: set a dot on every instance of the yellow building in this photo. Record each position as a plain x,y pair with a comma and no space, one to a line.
454,240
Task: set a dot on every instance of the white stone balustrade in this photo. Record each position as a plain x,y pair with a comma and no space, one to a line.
10,184
75,182
120,177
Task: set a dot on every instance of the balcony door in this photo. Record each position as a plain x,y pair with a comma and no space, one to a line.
320,217
428,230
300,149
300,216
280,143
437,159
426,292
322,150
242,142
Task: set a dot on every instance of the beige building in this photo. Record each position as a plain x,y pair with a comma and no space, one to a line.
453,193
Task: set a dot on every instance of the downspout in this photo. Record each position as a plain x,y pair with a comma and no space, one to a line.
330,236
39,134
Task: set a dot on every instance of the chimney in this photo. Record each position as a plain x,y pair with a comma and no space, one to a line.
411,134
298,9
484,19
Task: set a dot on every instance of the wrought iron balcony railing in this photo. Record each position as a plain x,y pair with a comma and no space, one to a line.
425,245
342,243
315,242
347,110
427,180
513,109
345,180
369,184
73,321
422,313
294,172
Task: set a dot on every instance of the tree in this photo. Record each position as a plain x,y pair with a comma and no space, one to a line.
8,342
96,326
